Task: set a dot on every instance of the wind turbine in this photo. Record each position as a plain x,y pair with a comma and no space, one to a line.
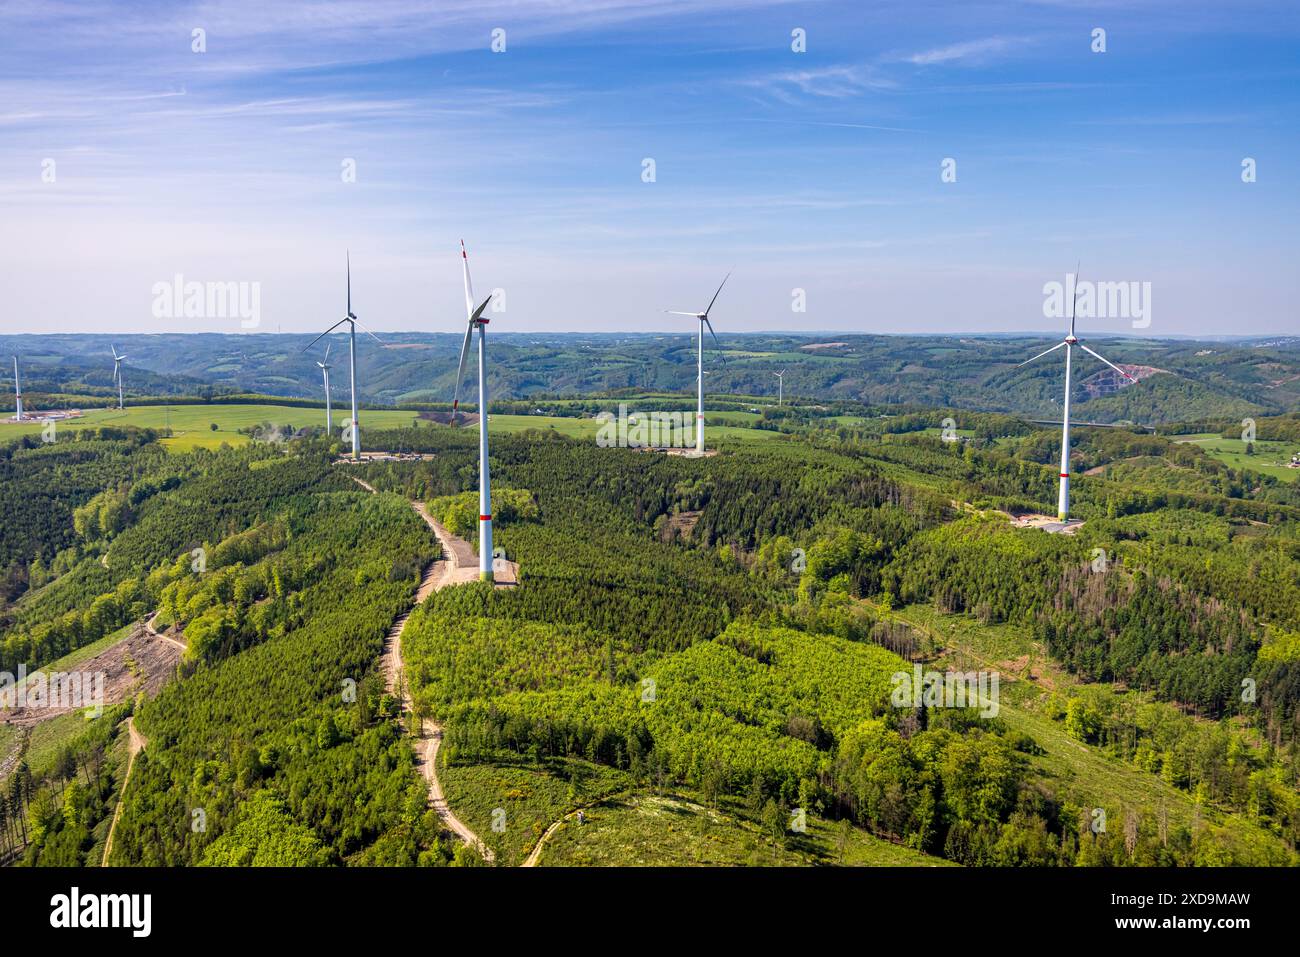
1071,340
117,374
484,481
351,320
325,371
18,394
703,317
780,386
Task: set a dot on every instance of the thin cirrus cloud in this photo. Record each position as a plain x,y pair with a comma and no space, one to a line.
844,81
968,52
833,82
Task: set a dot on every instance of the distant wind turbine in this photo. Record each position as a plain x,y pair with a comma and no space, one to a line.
1071,340
780,386
351,320
117,374
325,371
484,482
703,318
18,394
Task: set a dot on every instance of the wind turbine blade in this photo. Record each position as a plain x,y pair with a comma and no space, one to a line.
460,373
715,337
328,346
367,331
1107,361
469,285
325,333
716,294
674,312
349,255
478,313
1075,300
1041,354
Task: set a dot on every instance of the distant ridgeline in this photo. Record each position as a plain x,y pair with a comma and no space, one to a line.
1179,380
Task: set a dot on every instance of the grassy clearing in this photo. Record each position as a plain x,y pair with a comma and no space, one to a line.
1026,668
49,737
532,795
9,735
1270,458
670,830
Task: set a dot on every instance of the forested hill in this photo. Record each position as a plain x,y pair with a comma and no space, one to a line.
1179,380
722,632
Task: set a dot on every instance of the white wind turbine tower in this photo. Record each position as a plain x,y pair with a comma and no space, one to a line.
351,320
1071,340
117,374
18,394
780,387
484,482
325,371
703,318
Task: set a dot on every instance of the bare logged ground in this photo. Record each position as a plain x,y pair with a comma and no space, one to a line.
139,664
447,418
15,753
1047,523
680,524
142,662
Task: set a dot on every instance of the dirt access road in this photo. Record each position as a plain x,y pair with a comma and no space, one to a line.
459,565
135,744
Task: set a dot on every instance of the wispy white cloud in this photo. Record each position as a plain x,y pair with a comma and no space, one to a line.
967,52
832,82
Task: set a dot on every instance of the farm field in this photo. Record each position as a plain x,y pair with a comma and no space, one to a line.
191,425
587,428
1270,457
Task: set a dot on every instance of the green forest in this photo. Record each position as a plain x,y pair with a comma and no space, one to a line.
726,632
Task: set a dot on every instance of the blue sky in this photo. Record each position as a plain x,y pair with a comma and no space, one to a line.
817,170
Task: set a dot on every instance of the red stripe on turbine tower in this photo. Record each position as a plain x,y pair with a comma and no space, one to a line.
1065,475
485,518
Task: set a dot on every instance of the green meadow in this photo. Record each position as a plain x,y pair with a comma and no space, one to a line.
192,425
1270,458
